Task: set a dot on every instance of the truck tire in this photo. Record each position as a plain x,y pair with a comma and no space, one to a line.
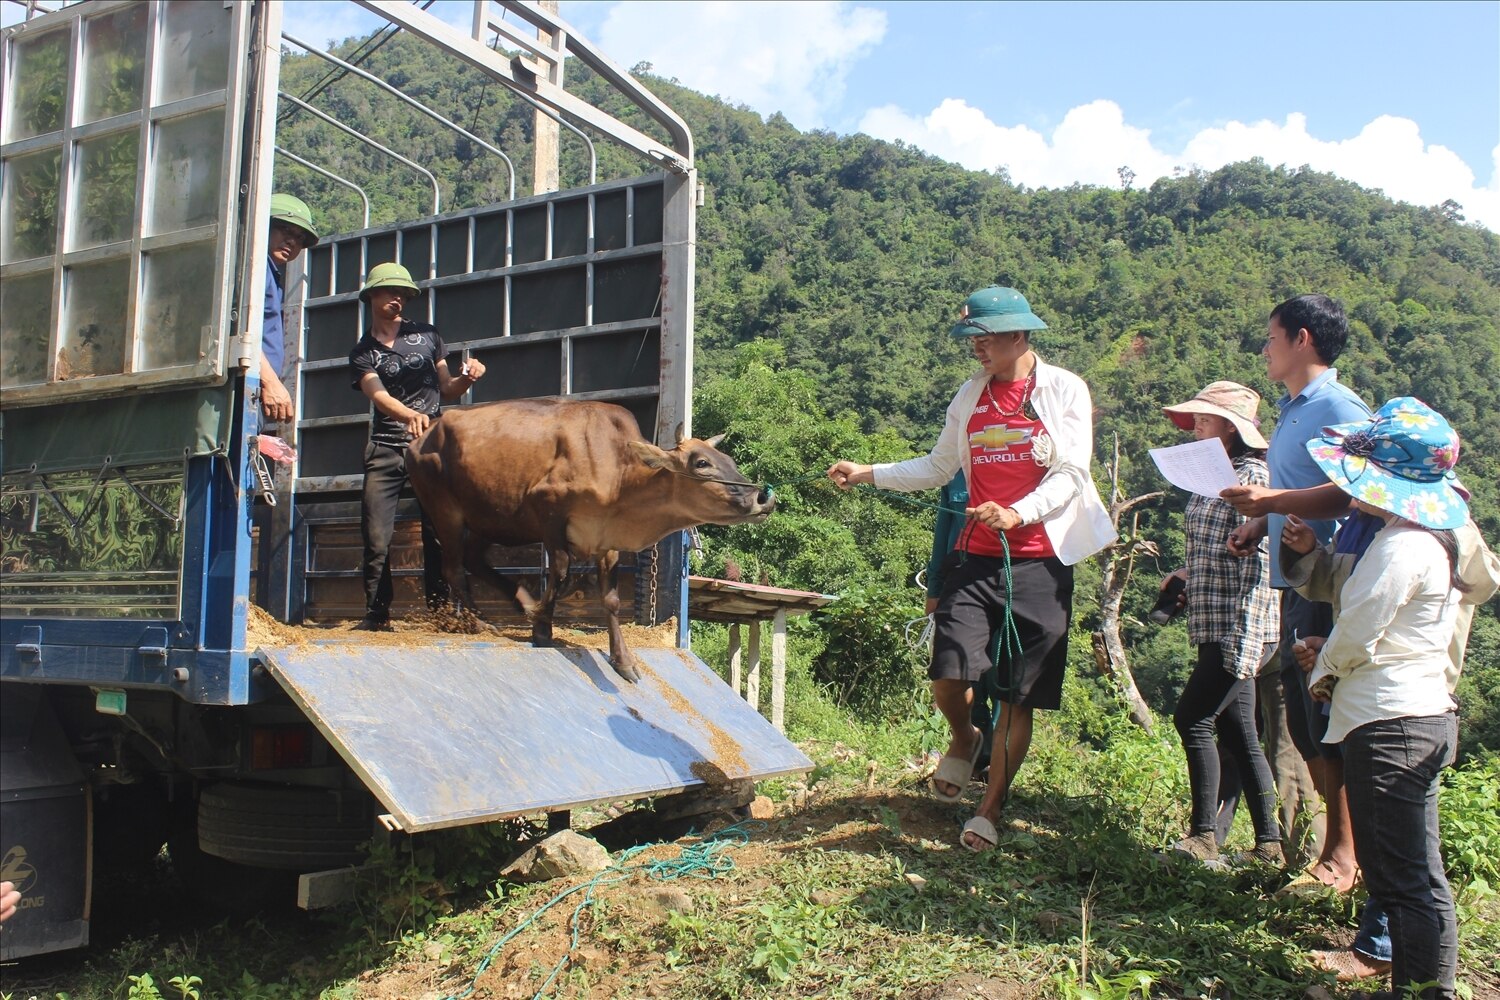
284,827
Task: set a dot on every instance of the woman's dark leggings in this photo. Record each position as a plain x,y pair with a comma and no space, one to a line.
1214,700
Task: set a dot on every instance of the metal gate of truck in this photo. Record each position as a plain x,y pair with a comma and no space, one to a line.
569,293
586,292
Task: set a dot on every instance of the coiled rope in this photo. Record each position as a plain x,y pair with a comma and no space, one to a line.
707,859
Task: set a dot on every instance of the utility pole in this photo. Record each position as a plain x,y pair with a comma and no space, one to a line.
547,131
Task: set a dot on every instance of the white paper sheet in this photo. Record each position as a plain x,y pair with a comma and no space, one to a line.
1200,467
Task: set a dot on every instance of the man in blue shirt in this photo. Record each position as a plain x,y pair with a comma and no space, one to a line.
1304,337
292,231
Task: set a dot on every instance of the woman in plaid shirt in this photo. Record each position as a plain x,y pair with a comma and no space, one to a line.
1233,620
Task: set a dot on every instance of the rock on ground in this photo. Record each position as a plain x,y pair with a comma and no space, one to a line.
562,854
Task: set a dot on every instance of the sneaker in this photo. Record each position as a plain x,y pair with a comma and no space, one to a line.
1349,965
1198,847
373,623
1267,852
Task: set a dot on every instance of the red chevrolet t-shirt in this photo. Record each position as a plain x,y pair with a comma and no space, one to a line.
1003,470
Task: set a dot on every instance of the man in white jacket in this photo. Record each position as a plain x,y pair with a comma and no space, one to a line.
1021,431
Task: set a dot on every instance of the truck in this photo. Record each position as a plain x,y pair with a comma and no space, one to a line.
150,555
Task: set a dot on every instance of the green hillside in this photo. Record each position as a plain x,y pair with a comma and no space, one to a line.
830,268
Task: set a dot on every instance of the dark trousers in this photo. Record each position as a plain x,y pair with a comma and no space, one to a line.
1391,770
1214,702
1307,719
385,477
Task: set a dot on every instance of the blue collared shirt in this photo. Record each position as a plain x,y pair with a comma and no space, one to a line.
273,336
1322,402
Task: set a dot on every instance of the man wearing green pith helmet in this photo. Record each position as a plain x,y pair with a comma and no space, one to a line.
292,231
1021,431
401,365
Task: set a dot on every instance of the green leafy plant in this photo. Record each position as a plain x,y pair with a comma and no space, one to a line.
186,986
688,935
1469,825
143,987
786,935
1124,986
867,663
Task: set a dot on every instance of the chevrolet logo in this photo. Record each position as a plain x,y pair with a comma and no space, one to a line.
998,437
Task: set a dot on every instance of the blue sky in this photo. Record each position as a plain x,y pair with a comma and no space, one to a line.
1404,97
1399,96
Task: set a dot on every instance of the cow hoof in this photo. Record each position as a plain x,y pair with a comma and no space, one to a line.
626,668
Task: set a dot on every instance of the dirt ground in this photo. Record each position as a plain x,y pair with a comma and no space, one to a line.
849,822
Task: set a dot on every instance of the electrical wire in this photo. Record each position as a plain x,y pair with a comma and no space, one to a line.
379,38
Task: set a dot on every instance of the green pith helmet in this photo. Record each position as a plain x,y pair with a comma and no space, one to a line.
996,310
389,275
293,211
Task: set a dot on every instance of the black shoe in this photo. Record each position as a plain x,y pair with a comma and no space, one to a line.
373,623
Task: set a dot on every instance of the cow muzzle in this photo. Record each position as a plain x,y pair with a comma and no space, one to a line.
755,502
763,503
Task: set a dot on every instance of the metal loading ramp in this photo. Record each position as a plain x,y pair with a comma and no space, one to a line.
472,732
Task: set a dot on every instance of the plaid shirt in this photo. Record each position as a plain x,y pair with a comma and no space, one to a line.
1229,599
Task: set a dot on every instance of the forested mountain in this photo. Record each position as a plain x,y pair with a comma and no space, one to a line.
842,261
854,254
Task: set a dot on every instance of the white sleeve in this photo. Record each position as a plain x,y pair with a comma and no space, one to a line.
1384,580
1073,439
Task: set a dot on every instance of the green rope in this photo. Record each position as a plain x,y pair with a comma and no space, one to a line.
1009,645
706,859
1010,636
887,494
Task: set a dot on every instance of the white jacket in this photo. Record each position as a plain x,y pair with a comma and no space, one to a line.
1389,649
1066,501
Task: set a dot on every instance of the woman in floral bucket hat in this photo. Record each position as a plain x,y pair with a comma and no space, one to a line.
1384,670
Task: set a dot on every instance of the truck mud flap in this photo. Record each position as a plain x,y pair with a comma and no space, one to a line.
44,828
472,732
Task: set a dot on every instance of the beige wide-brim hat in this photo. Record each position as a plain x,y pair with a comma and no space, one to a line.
1234,402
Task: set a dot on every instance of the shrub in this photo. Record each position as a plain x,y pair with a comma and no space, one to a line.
1469,825
868,664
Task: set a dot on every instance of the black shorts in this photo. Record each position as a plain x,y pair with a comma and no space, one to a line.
972,607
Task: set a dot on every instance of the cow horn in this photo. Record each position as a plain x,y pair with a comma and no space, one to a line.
713,442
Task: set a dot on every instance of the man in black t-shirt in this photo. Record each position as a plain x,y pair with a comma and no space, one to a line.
401,366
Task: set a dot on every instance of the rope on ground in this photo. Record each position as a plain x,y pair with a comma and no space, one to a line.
707,859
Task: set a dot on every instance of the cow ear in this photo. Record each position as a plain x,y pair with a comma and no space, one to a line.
650,454
713,442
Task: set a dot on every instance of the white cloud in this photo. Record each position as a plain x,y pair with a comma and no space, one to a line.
1093,141
789,57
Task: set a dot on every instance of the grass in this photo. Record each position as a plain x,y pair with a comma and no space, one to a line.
862,893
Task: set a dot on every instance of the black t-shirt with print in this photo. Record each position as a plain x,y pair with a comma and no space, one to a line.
407,369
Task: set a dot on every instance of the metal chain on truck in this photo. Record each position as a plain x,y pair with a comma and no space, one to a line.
652,576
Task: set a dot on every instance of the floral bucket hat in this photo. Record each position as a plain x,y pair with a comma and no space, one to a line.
1400,460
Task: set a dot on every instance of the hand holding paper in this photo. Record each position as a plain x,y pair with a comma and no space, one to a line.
1200,467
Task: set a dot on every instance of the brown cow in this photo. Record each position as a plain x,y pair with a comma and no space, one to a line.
576,476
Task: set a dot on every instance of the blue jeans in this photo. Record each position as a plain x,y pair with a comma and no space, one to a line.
1391,770
1373,939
